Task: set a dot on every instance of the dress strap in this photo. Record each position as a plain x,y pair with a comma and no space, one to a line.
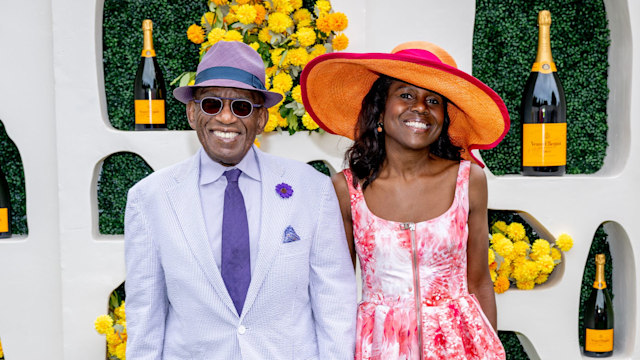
462,183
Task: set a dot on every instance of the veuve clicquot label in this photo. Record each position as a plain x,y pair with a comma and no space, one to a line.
149,112
598,340
4,220
149,89
544,144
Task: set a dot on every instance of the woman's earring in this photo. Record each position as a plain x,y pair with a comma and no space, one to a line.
379,128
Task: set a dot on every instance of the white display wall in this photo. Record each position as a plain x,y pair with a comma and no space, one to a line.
55,281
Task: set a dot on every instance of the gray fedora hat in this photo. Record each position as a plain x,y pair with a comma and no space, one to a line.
231,64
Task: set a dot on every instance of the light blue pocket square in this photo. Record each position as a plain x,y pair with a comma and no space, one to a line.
290,235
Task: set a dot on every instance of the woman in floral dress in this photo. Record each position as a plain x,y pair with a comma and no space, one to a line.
414,198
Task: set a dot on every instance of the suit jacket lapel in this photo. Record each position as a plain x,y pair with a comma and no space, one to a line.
185,199
274,217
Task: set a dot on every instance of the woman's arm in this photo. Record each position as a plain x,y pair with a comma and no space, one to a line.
342,191
478,277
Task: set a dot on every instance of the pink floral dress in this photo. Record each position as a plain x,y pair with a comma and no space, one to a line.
430,256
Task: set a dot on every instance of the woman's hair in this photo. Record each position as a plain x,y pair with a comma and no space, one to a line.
367,153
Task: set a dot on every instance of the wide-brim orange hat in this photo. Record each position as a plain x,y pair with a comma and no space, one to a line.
333,86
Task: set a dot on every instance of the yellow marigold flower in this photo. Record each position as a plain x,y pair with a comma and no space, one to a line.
208,19
318,50
301,15
296,94
261,13
121,351
492,256
114,339
267,82
505,269
256,142
526,271
274,120
282,82
246,14
323,5
111,348
525,285
497,237
255,46
340,42
233,35
322,24
279,22
120,312
215,35
546,264
493,266
564,242
499,226
297,4
283,6
516,231
556,254
540,247
494,275
297,57
276,56
520,249
195,33
501,284
220,2
308,122
242,2
542,278
264,35
338,21
191,82
103,324
230,18
306,36
503,246
1,351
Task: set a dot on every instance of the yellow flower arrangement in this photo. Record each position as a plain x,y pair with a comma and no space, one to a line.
514,260
286,34
114,327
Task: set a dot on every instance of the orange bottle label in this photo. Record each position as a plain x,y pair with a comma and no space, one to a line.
598,340
4,220
544,67
544,144
149,112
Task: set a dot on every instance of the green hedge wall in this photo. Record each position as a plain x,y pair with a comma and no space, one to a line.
119,173
11,165
505,43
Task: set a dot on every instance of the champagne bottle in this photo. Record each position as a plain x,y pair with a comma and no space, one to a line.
5,208
544,124
149,89
598,316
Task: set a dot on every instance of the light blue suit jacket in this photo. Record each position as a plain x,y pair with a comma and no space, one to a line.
301,303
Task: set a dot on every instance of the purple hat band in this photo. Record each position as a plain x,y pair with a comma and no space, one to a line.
230,64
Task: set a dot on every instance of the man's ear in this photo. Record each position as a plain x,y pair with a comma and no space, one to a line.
191,114
263,117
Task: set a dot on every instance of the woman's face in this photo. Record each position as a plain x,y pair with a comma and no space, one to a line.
413,116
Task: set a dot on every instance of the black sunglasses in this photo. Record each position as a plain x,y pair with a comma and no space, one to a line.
241,108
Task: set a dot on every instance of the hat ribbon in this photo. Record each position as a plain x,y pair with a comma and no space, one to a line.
229,73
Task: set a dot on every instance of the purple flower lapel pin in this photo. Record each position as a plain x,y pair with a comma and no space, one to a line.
284,190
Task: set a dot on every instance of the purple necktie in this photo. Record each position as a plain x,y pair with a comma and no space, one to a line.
236,262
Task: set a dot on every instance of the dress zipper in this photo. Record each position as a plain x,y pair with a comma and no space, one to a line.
416,282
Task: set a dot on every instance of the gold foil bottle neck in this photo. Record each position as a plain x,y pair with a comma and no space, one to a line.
600,259
544,18
147,25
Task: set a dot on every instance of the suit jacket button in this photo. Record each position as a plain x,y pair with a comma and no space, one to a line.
242,329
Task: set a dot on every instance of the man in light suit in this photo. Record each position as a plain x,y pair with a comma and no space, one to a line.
247,266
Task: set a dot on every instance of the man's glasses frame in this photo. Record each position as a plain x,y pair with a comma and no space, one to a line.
238,106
